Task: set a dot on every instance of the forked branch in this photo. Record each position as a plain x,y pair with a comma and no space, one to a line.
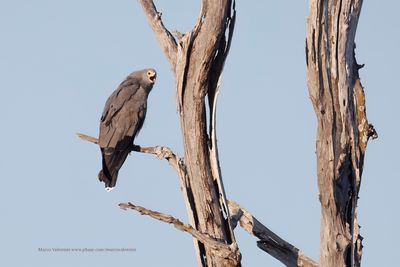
164,37
269,241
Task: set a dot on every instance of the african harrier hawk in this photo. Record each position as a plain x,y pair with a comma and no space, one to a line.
121,121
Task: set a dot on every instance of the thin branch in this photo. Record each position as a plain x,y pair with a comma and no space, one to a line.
269,241
162,152
220,247
215,166
88,138
164,37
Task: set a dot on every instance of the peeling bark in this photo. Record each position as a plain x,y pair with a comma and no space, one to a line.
343,130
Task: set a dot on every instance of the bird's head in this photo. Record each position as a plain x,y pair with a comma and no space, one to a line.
146,77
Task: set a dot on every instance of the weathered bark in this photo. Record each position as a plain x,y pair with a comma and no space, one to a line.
343,130
197,65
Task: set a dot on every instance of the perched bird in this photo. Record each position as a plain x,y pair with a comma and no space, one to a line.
121,121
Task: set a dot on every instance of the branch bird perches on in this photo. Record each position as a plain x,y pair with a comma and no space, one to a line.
161,152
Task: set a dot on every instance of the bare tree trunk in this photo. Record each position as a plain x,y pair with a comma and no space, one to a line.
343,130
200,79
197,59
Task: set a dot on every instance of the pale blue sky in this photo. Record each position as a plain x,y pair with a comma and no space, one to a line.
60,60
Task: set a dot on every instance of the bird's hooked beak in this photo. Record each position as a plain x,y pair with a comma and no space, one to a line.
151,75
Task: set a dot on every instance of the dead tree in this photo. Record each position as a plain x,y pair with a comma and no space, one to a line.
343,130
197,59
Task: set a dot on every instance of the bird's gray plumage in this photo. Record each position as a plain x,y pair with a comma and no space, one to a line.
122,119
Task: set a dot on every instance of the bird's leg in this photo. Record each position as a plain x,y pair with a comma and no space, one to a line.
134,148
